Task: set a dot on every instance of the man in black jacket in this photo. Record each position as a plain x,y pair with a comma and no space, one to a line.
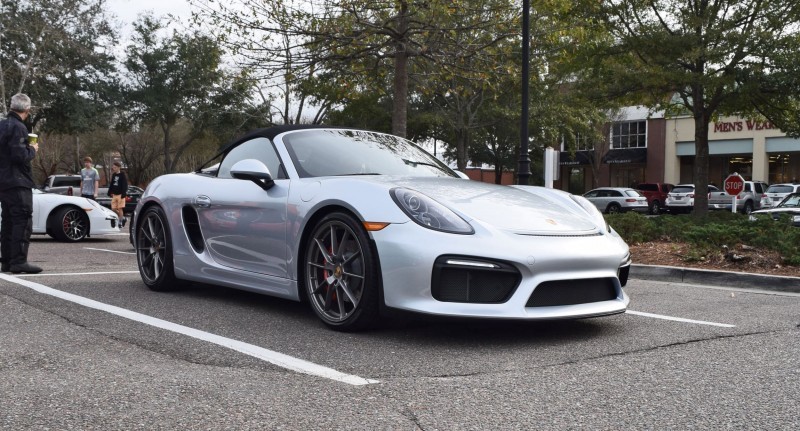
16,182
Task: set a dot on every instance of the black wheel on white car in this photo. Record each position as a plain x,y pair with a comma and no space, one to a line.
748,207
154,250
613,208
68,224
341,279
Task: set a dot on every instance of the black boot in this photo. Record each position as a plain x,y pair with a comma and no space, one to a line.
25,267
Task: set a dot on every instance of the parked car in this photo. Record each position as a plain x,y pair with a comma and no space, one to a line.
753,197
681,198
790,205
776,192
71,218
131,198
63,185
656,194
354,222
612,200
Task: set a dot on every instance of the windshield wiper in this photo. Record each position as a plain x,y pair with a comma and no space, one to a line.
415,164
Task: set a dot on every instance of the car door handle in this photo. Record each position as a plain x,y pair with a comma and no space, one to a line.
202,201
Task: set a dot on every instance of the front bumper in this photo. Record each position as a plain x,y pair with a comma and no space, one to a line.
408,254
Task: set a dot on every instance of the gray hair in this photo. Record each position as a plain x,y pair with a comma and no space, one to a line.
20,102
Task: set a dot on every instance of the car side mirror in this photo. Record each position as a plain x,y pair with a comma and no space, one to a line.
253,170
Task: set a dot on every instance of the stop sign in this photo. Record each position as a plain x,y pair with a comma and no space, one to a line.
734,184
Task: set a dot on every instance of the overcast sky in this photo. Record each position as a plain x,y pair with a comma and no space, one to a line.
126,11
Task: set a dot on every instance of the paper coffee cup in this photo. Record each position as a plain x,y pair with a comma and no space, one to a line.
33,138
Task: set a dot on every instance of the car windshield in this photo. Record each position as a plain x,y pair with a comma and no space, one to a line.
318,153
792,201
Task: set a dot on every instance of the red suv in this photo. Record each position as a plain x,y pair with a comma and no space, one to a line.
656,194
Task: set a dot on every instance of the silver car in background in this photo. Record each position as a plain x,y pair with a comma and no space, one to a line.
355,222
611,200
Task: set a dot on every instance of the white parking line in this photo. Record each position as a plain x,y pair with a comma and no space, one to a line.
110,251
679,319
273,357
53,274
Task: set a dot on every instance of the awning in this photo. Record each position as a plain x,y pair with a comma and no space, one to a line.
579,158
626,155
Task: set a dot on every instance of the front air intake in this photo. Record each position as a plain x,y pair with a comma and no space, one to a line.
472,280
570,292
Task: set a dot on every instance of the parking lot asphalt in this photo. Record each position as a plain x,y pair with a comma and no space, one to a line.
716,278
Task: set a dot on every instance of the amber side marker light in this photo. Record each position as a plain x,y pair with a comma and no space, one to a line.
373,226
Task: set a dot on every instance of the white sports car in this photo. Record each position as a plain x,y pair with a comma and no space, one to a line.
355,221
71,218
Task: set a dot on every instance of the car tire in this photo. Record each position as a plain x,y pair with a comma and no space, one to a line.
655,208
154,251
68,224
748,207
613,208
340,273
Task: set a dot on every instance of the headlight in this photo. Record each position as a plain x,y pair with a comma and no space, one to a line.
594,213
429,213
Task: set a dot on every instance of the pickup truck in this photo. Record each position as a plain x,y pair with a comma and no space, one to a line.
63,185
753,197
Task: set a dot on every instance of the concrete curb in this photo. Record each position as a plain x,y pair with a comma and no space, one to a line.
716,278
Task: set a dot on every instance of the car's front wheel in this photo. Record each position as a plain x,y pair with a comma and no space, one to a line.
613,208
341,279
154,250
68,224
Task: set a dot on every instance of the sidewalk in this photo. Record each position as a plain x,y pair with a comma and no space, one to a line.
716,278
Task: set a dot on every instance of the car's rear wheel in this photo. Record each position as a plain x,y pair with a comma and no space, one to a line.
68,224
655,208
154,250
613,208
748,207
341,279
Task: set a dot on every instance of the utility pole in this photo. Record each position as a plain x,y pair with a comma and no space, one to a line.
524,168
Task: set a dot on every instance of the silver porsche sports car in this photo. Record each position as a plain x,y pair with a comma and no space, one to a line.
355,222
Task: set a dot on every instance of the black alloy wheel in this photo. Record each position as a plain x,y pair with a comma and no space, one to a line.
154,250
340,275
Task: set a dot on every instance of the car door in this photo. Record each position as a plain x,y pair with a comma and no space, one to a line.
244,226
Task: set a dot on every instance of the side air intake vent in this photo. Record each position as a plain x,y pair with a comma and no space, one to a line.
191,226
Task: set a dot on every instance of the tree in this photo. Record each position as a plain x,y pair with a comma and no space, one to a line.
361,40
177,79
57,51
697,50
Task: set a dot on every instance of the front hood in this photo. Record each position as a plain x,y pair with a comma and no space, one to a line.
535,210
778,211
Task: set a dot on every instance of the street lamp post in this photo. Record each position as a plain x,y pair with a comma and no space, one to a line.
524,167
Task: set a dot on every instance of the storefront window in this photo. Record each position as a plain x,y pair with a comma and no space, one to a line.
576,181
626,176
784,168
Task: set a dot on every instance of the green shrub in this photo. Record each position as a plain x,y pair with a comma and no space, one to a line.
708,234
